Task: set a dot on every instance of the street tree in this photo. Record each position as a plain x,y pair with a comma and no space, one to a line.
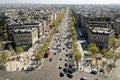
114,43
6,36
104,51
11,49
77,58
4,57
19,50
92,48
38,56
116,56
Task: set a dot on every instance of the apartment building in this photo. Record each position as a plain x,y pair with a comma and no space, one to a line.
116,26
26,36
98,30
100,36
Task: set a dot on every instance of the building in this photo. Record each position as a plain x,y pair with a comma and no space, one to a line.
26,36
116,26
20,25
98,30
100,36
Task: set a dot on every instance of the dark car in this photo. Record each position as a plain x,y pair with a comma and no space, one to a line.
30,69
50,59
60,58
60,67
66,64
66,55
63,48
70,71
55,53
65,70
69,75
93,71
61,74
83,78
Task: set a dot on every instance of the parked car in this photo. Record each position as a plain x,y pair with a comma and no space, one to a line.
30,69
93,71
83,78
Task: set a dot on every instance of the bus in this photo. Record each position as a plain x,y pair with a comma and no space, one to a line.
47,53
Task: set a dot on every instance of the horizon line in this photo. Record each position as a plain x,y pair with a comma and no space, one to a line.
66,3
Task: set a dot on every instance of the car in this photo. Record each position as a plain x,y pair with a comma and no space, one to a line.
66,64
60,58
93,71
30,69
70,71
50,59
66,50
83,78
66,59
60,67
65,70
69,75
66,55
54,53
61,74
71,56
70,66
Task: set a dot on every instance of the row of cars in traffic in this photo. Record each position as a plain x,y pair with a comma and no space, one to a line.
69,68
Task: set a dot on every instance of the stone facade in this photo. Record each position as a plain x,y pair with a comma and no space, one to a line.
25,36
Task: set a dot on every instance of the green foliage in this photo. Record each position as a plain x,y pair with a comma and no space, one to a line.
77,56
75,45
4,57
38,56
114,43
19,49
93,49
1,44
6,36
104,51
113,56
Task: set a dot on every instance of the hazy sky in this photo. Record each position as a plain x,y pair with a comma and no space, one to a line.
63,1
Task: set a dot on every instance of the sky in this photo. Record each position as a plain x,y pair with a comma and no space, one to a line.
62,1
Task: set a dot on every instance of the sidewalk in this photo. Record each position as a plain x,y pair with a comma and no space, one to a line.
18,65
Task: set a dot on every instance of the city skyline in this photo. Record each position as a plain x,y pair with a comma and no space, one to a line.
60,1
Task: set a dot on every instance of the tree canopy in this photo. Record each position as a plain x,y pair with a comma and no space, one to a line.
92,48
4,57
19,49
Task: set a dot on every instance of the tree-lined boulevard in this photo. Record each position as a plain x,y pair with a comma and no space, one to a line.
66,52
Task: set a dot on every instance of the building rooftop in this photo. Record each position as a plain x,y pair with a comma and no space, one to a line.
99,30
27,30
